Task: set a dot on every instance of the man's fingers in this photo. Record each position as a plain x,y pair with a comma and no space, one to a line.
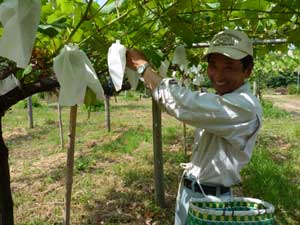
134,58
129,59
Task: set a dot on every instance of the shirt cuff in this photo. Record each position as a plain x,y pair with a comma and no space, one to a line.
163,85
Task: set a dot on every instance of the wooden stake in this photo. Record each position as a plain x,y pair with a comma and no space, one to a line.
29,108
60,126
158,155
70,164
184,139
107,112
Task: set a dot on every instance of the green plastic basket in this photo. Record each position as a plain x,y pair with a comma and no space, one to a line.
235,211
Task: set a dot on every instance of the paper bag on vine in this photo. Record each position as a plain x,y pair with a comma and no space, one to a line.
20,20
75,73
116,59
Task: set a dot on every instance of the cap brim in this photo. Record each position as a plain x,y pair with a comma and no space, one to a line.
229,52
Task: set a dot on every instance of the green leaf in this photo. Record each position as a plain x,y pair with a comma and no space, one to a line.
27,70
225,4
77,16
183,30
140,9
99,21
260,27
66,6
19,74
60,22
109,8
154,55
213,5
294,37
53,3
55,16
48,30
253,5
280,15
78,35
90,97
46,9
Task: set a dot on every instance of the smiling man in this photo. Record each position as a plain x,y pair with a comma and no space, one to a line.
226,122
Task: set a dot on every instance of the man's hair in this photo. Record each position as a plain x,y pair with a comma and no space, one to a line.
247,61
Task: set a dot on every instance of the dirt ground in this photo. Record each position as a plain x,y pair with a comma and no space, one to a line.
290,103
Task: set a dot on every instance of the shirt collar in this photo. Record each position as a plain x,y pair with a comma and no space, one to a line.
244,88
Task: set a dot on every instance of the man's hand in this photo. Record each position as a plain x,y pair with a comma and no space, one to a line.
135,58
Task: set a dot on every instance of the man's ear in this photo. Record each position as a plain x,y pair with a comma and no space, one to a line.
248,70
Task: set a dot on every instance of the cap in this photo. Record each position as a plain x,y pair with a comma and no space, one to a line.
231,43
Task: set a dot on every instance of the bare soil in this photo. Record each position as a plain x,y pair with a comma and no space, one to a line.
290,103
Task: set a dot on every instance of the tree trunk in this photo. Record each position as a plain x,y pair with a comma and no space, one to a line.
6,203
6,101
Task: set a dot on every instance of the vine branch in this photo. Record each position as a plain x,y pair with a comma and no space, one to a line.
105,26
83,18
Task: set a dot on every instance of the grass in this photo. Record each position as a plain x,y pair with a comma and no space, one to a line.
272,174
113,173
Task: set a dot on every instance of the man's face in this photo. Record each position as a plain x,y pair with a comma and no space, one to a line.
226,74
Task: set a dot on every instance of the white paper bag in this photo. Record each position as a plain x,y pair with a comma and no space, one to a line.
180,58
8,84
75,73
20,19
163,69
116,60
133,78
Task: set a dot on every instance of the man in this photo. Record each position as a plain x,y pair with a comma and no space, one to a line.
227,122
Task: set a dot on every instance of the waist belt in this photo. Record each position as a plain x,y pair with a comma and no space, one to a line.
208,190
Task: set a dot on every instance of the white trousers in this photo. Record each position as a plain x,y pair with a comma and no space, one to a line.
182,202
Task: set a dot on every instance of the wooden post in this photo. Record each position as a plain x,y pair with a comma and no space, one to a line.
158,155
298,82
107,112
255,91
184,139
70,164
29,108
60,126
259,86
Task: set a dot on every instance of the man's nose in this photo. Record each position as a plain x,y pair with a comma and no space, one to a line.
217,73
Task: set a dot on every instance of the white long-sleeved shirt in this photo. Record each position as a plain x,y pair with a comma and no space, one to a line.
226,129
